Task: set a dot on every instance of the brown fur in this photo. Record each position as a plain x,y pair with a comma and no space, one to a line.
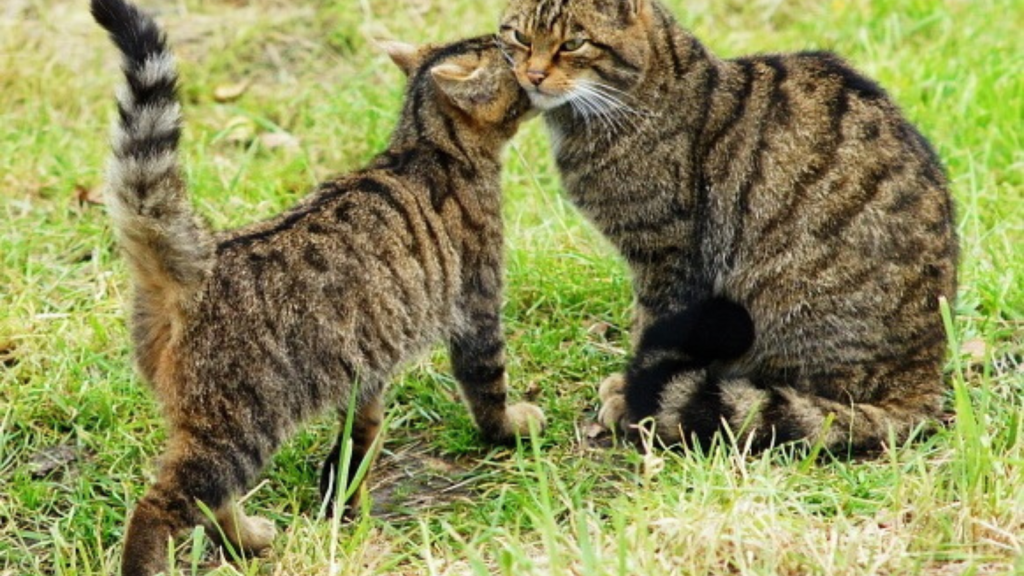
245,334
787,184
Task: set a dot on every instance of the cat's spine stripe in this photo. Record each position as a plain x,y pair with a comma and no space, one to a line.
674,52
775,107
741,99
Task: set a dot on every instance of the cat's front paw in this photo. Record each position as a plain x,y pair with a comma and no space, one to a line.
250,534
522,416
613,402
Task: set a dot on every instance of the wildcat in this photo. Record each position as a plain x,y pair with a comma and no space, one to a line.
789,233
245,333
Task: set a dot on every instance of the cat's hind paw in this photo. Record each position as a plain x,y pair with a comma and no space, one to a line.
251,534
613,402
258,534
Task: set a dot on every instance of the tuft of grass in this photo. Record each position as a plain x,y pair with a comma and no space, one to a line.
78,434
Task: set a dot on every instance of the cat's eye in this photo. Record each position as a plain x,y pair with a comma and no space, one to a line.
573,45
521,38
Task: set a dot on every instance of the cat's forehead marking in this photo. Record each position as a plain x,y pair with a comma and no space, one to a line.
550,13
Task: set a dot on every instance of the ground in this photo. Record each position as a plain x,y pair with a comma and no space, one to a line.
280,94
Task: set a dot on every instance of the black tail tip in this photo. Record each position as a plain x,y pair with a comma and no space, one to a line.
714,329
112,15
723,329
134,32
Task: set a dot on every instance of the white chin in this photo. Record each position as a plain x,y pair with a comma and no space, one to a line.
546,102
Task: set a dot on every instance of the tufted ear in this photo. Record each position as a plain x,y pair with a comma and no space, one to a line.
634,8
405,56
464,85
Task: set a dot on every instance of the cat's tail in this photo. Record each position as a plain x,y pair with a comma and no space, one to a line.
697,408
169,251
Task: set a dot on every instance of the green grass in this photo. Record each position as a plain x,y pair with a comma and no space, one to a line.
443,502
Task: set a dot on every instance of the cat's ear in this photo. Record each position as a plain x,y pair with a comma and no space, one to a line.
634,8
405,56
462,84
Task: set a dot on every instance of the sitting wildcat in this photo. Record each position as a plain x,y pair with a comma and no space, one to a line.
244,334
790,234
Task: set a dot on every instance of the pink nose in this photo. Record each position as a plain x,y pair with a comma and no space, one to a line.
536,76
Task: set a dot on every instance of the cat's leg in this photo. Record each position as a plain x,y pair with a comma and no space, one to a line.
366,427
479,365
612,390
193,469
478,361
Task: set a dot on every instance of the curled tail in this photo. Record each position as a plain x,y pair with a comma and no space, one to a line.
169,251
695,406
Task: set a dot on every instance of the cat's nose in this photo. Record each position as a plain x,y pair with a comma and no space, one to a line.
536,76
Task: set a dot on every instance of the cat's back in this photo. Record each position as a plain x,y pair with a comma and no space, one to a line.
357,276
819,157
831,218
356,227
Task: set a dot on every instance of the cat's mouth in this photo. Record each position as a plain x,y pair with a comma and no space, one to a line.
545,101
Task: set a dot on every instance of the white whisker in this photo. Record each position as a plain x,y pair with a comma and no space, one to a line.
603,103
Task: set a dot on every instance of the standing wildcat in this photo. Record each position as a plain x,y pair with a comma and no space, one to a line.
790,234
246,333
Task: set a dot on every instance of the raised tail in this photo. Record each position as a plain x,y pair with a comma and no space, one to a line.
169,251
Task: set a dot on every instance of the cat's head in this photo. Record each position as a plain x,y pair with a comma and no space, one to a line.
587,53
469,78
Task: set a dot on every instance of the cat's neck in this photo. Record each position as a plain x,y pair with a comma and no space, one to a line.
677,61
429,129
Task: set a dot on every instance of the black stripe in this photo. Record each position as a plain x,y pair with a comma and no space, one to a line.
862,196
328,193
649,255
148,146
439,178
620,61
453,138
610,77
826,152
778,414
315,259
851,80
479,374
739,107
162,92
780,109
743,200
673,50
646,382
467,219
665,218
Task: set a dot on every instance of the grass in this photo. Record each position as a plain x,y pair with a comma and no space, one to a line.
78,433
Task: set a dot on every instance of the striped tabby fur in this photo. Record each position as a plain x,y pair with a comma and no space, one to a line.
244,334
790,234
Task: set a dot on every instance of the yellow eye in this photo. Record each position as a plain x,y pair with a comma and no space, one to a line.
521,38
573,45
